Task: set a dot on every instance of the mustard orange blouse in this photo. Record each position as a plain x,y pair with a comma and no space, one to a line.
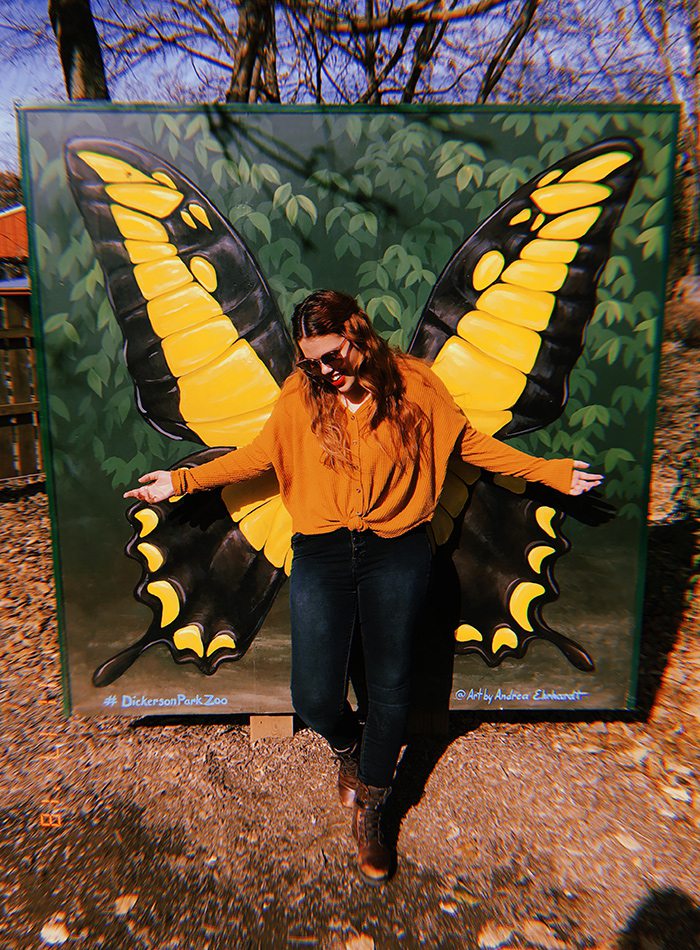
377,493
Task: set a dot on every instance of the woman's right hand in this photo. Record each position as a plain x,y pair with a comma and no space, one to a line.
157,486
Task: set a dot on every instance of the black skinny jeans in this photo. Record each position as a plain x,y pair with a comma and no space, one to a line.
335,578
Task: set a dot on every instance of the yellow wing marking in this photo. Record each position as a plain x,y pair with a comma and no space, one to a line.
137,226
488,422
226,391
161,277
556,199
154,557
475,379
521,217
549,178
485,365
205,393
453,498
189,638
512,483
279,537
543,517
268,528
536,555
466,632
167,595
204,271
188,219
221,640
148,519
187,307
454,494
152,199
165,179
571,226
520,600
504,637
535,275
597,168
262,518
488,269
239,429
465,471
113,170
510,344
442,525
200,214
195,347
525,308
142,252
562,252
243,497
288,562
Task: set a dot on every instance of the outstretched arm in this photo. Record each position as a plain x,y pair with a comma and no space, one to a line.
236,466
565,475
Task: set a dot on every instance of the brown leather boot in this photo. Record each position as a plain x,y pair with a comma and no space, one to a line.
374,858
348,764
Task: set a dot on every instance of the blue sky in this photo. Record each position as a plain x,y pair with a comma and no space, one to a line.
614,35
37,78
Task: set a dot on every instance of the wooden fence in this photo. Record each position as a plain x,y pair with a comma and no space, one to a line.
20,447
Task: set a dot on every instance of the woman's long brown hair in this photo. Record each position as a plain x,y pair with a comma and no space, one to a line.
329,311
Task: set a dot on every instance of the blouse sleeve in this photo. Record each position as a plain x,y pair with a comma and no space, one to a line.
487,452
235,466
452,428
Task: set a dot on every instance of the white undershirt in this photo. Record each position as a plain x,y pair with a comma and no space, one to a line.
354,406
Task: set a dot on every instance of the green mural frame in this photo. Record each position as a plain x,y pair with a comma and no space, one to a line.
476,158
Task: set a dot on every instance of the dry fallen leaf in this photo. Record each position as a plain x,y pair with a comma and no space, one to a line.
54,932
493,936
360,942
540,935
449,907
124,903
678,793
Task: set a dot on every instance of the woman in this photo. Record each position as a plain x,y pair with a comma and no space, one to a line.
360,440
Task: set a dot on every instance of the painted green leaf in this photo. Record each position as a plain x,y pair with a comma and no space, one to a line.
652,241
55,322
58,407
261,224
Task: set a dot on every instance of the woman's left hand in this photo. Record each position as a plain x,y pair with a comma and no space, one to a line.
582,480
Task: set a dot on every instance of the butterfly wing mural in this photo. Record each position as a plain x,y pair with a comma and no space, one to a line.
207,351
503,328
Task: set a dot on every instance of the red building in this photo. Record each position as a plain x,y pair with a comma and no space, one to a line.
19,433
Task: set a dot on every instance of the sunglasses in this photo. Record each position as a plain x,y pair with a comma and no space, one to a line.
333,358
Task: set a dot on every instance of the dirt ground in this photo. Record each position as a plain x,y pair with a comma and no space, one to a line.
558,834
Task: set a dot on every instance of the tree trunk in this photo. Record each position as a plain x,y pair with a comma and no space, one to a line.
254,40
79,49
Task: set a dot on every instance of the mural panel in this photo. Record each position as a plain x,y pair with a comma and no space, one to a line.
521,253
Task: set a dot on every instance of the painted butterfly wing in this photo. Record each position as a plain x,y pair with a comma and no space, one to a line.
505,323
207,352
503,329
194,309
198,560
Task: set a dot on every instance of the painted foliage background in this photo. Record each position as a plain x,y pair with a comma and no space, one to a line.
374,203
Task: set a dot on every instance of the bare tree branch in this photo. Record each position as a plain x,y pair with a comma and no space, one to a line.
423,51
332,21
505,52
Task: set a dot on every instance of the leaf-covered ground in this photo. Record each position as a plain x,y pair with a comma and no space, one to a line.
512,832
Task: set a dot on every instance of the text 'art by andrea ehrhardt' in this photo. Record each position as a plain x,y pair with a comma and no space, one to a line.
519,252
